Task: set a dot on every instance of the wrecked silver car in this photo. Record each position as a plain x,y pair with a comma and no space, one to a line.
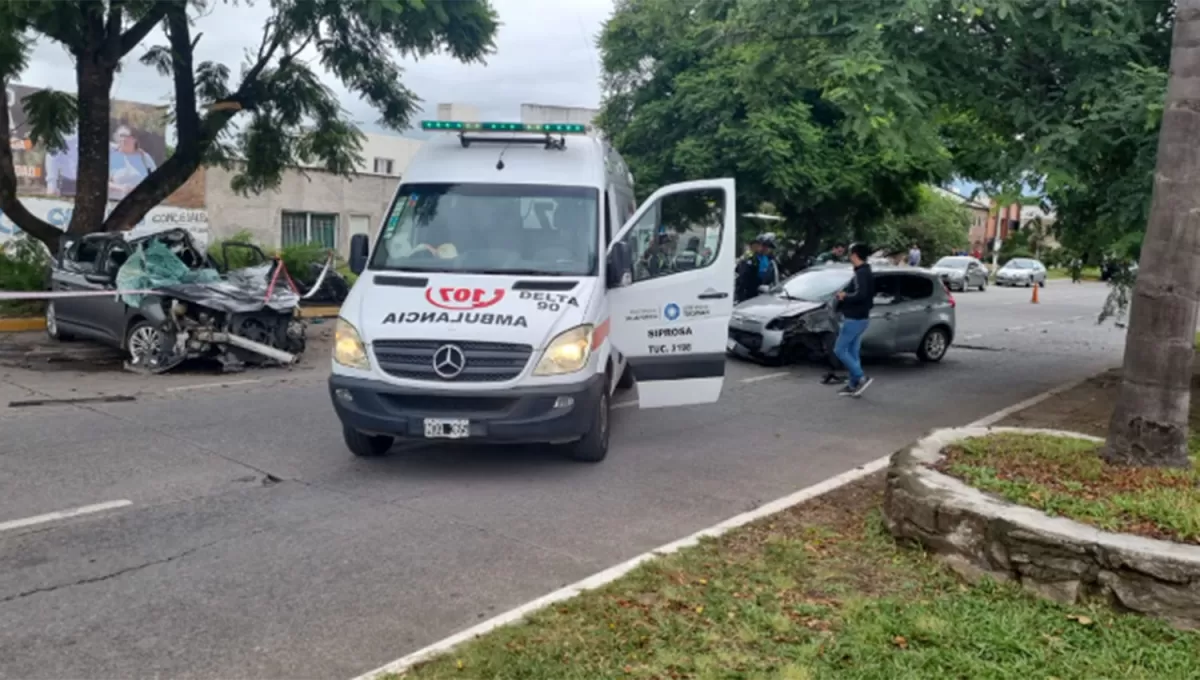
170,302
798,320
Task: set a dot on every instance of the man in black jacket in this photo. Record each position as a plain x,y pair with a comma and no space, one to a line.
855,307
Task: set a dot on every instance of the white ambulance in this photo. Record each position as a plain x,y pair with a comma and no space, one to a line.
514,284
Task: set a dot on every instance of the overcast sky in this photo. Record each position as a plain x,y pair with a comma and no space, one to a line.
545,54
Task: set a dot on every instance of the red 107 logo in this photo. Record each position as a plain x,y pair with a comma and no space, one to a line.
463,298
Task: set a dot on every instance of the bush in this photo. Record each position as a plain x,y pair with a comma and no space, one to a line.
24,266
239,257
297,258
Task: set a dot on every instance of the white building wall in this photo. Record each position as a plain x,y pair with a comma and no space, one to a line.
358,201
463,112
541,113
399,150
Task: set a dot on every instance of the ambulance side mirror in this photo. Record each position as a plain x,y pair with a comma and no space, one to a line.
359,252
619,268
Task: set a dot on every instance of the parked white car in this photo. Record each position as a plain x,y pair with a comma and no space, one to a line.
1022,271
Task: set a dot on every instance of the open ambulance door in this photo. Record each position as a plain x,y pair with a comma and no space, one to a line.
670,272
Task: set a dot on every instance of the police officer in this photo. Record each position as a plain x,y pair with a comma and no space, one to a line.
655,259
768,276
746,276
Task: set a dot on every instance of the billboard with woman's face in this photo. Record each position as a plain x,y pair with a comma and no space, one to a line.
137,146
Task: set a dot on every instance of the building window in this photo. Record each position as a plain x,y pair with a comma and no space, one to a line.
383,166
301,227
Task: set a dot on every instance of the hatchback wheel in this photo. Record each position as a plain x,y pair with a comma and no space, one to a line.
143,343
52,328
934,345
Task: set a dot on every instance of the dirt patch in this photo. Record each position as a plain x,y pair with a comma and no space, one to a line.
1086,408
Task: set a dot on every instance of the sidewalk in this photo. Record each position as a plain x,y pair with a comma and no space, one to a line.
821,590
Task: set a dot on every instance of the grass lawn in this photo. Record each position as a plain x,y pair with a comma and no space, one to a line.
819,591
1088,273
1063,476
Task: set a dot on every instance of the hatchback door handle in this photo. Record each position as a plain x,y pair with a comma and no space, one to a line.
713,296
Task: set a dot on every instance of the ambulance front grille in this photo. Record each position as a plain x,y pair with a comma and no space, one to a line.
485,361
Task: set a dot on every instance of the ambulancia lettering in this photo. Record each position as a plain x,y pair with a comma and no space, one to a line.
514,320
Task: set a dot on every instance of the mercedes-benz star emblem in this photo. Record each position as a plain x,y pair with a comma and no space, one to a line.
449,361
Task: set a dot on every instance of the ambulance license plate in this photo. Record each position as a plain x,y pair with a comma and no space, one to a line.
447,428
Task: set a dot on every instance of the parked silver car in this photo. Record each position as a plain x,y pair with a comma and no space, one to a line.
961,272
799,320
1022,271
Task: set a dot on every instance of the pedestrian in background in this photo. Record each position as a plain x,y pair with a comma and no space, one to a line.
914,256
855,306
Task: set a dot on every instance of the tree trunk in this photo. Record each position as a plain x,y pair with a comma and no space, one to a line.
94,80
1149,425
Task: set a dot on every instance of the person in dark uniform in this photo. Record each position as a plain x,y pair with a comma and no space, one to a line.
855,306
746,276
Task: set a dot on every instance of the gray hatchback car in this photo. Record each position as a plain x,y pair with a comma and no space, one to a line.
798,320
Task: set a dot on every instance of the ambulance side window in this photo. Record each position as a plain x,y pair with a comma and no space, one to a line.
679,233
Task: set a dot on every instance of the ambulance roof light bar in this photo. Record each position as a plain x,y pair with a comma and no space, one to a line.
470,132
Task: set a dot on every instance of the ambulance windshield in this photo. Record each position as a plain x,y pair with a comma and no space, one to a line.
491,229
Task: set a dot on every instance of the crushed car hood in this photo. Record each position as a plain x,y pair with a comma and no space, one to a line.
240,291
766,307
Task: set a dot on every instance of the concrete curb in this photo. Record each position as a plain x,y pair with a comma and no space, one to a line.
399,666
37,323
977,533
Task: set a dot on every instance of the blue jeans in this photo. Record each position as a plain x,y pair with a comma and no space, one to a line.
848,346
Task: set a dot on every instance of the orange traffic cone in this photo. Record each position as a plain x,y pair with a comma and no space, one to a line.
1035,289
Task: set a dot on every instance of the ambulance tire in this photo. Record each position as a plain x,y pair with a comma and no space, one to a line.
365,445
593,447
626,380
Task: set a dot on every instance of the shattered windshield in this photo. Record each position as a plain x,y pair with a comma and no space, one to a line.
816,286
491,229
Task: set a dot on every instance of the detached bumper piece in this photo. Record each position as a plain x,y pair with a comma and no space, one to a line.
520,415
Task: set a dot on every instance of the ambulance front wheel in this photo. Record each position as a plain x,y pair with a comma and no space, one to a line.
365,445
593,447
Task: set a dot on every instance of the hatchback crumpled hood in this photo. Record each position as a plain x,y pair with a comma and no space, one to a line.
439,306
766,307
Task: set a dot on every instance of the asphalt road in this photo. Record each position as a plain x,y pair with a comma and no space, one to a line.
255,546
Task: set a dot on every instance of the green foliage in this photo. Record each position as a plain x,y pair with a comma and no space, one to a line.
288,116
233,257
1065,90
297,258
701,89
24,266
939,227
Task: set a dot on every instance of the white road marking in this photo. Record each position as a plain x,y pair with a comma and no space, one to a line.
204,386
613,573
768,376
973,336
62,514
626,404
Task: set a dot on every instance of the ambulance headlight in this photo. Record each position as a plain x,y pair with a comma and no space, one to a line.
567,353
348,347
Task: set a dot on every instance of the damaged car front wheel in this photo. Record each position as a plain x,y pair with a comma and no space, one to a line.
144,344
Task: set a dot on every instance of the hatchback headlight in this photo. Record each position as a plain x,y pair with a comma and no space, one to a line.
348,347
567,353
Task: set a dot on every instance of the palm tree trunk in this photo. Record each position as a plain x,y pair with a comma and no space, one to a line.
1149,425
